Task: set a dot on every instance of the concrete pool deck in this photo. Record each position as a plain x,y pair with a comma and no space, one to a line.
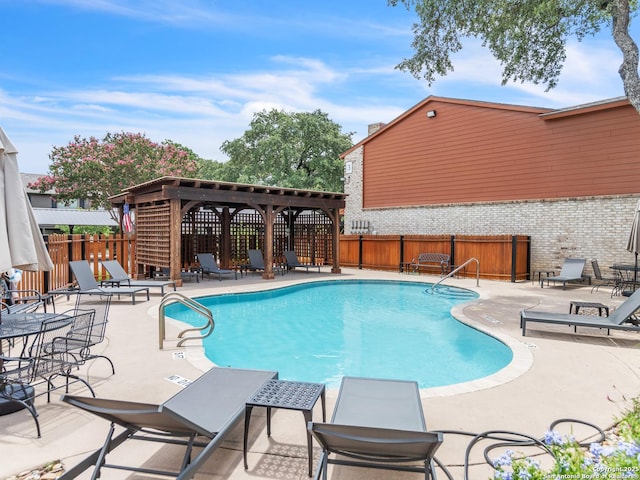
555,374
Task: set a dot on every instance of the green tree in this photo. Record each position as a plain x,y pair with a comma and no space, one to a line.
210,170
528,37
205,169
297,150
97,169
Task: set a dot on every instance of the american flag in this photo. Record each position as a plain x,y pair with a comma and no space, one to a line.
127,225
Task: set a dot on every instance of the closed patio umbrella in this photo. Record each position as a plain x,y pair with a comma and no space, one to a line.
21,243
633,244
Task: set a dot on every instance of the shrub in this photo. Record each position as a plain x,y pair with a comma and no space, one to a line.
618,456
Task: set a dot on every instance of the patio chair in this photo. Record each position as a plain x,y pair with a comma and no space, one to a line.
210,408
209,266
88,284
91,316
256,262
21,300
623,318
38,365
378,424
20,307
571,272
119,278
293,262
602,281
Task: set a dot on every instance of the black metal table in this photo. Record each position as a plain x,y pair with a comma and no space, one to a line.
630,281
290,396
14,325
575,306
17,325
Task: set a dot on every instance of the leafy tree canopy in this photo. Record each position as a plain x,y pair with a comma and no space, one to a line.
210,170
97,169
528,37
297,150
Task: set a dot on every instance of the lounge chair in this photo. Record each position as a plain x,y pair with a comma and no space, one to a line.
210,408
119,278
378,424
293,262
256,263
621,319
88,284
209,266
614,282
571,272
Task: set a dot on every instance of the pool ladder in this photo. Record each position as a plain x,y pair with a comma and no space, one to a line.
173,297
456,270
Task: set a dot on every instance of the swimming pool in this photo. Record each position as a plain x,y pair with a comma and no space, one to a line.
321,331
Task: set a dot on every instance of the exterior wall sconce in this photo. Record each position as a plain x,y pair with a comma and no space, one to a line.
431,114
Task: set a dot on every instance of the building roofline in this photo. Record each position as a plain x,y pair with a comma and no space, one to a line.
586,108
456,101
544,113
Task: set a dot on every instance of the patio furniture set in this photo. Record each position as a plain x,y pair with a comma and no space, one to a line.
38,347
623,281
378,423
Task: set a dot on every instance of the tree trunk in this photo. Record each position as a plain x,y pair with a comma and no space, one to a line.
629,68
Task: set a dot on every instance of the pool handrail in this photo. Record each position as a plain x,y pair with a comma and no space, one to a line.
197,307
457,269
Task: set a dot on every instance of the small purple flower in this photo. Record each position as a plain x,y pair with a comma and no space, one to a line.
595,449
630,449
553,438
504,460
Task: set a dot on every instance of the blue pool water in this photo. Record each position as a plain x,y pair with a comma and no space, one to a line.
321,331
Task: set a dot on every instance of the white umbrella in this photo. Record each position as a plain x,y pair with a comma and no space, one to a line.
633,244
21,243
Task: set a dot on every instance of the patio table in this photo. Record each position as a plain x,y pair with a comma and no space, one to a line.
19,325
14,325
629,275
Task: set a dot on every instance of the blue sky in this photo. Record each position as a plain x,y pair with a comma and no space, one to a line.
196,71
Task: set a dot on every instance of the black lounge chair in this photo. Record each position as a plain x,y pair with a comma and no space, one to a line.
256,263
377,424
120,278
293,262
623,318
88,284
614,282
571,272
209,408
209,266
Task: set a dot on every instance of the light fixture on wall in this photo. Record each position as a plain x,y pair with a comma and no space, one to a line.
431,114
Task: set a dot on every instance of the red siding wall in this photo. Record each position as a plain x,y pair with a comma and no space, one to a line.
475,153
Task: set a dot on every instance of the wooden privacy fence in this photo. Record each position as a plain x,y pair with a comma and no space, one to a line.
93,248
501,257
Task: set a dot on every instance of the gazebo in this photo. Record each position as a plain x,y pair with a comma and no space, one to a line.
176,218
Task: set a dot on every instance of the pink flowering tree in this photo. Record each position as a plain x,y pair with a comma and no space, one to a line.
97,169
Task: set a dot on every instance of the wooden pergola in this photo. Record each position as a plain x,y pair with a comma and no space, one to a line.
170,210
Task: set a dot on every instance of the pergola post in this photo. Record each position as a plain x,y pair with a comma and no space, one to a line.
175,241
269,220
225,254
335,217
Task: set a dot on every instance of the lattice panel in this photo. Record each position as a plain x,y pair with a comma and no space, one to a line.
201,233
153,229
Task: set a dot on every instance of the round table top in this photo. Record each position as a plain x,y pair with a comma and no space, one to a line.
13,325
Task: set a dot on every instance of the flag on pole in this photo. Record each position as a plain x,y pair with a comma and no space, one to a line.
127,225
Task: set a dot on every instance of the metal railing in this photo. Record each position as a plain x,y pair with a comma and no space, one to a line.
456,270
175,297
